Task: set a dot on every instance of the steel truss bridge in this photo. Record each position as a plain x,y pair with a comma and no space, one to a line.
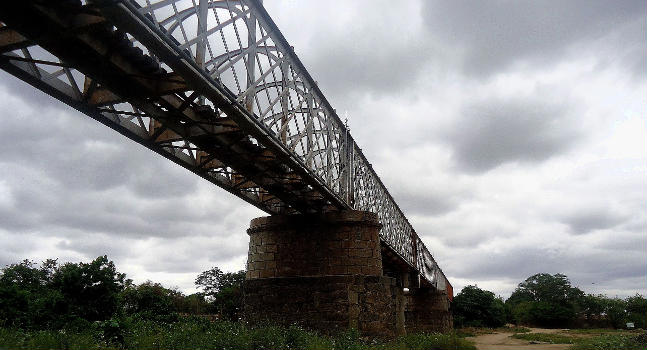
213,86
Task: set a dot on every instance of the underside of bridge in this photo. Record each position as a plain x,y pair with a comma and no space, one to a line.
330,272
214,86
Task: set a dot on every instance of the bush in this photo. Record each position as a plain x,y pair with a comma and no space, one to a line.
612,341
547,338
15,339
149,301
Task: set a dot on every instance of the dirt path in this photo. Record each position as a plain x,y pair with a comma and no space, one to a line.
503,341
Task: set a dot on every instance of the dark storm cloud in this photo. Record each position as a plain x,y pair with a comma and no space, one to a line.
14,248
369,47
497,34
83,154
172,255
592,219
28,93
63,170
94,245
521,261
514,263
425,203
490,133
345,65
119,212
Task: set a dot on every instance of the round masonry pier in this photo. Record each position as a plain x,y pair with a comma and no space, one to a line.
323,272
340,243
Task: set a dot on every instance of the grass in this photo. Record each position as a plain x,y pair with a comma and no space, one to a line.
204,334
552,338
473,331
613,341
476,331
592,339
600,331
16,339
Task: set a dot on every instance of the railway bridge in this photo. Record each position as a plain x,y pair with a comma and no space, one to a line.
214,86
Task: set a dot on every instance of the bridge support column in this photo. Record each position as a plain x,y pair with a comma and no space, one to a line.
322,272
427,310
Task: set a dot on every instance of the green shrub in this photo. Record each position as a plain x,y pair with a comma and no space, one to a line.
612,341
551,338
15,339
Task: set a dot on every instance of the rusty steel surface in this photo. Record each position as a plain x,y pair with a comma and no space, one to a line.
213,86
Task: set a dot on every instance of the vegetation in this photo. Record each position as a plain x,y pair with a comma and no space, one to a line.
544,300
594,331
551,338
550,301
224,290
53,296
514,329
612,341
474,307
93,306
199,333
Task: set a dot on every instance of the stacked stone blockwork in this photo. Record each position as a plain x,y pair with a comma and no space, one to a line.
427,310
322,272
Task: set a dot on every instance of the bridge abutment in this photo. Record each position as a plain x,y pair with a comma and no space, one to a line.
322,272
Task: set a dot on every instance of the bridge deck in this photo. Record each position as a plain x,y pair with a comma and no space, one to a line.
215,88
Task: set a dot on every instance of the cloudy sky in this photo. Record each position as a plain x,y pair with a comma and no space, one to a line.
513,134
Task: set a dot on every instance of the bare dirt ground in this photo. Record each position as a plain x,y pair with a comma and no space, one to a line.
503,341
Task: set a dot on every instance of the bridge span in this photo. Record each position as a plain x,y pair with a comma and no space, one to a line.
214,86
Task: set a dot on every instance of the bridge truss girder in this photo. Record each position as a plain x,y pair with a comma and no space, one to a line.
214,87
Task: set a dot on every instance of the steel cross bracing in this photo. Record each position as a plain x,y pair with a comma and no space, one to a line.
213,86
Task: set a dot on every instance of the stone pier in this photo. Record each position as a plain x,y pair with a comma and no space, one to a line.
427,310
325,272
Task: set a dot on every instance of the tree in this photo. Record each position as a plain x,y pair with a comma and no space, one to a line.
90,291
51,296
150,301
475,307
194,304
26,301
637,310
614,311
545,300
224,290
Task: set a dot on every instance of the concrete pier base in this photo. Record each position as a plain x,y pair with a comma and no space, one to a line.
323,272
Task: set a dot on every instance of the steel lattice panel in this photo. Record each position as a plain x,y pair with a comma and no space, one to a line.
213,86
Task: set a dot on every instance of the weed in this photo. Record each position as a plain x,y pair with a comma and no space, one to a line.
551,338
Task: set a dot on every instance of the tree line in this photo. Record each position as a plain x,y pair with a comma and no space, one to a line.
75,295
549,301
